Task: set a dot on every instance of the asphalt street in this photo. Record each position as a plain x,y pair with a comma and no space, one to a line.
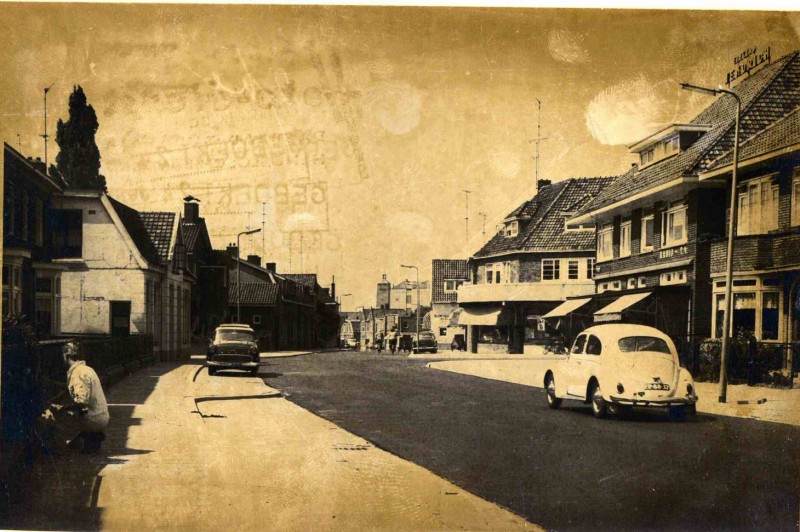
561,469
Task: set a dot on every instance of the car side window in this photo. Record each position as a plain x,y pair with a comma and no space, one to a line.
577,348
593,345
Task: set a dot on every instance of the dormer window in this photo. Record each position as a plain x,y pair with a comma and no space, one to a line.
667,142
512,229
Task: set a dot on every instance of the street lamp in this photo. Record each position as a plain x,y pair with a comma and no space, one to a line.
239,272
726,316
417,270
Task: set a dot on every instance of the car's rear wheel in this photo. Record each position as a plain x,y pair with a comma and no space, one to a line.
599,405
254,372
553,402
212,371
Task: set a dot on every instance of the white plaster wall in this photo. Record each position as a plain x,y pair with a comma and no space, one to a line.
86,297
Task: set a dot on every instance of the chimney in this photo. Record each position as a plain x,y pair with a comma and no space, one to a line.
233,251
38,164
333,287
271,266
191,212
542,183
254,259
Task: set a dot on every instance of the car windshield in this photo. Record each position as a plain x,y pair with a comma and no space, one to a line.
636,344
232,335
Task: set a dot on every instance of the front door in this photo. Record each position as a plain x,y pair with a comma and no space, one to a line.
120,318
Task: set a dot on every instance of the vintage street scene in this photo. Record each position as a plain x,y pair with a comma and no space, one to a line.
297,267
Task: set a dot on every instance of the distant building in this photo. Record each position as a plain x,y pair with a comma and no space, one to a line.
535,261
448,275
384,296
404,295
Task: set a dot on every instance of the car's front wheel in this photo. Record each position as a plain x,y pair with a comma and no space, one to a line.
212,371
553,402
599,405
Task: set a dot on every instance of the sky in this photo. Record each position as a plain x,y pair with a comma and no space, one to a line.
350,134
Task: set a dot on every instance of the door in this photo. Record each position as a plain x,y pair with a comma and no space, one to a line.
570,378
120,318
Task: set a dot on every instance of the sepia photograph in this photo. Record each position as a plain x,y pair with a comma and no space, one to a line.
374,267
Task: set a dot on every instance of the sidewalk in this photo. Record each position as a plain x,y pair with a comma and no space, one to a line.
182,453
777,405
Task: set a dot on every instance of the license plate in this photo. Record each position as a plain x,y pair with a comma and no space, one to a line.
656,386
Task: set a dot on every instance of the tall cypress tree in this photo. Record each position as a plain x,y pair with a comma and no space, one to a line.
79,159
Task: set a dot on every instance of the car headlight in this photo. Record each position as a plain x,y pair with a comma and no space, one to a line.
620,388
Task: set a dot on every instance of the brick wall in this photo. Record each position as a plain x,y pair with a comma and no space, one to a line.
758,252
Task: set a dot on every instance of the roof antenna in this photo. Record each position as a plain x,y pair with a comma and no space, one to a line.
538,139
45,136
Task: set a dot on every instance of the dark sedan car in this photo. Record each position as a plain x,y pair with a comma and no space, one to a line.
427,342
233,347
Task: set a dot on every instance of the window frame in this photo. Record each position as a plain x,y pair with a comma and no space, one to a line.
759,288
643,247
757,197
577,264
666,238
795,201
605,253
625,241
555,265
590,268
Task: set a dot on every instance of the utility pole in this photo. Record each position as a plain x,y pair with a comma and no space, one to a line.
263,230
466,217
538,139
45,136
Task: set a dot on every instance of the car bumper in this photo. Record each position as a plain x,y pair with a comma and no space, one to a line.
672,401
233,365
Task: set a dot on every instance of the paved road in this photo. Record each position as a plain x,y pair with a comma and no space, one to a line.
561,469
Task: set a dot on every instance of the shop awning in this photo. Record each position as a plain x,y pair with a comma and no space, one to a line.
613,312
567,307
488,316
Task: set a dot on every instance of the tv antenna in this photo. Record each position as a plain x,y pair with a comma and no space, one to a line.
45,136
538,138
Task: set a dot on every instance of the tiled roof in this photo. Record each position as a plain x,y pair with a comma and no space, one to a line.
771,93
546,230
781,134
254,294
303,279
159,226
447,269
192,231
132,220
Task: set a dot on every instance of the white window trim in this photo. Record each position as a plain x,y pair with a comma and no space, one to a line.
758,225
625,250
643,237
609,255
759,289
665,242
556,263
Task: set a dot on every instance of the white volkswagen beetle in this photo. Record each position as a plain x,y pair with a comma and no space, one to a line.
618,366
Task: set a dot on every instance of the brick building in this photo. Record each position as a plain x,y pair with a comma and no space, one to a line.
535,261
660,246
447,276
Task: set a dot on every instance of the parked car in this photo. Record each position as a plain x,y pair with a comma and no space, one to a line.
349,343
427,342
618,366
233,347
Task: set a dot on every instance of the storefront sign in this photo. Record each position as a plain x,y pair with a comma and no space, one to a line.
746,62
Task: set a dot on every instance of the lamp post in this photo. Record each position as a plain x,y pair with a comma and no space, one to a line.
417,270
341,322
726,316
239,272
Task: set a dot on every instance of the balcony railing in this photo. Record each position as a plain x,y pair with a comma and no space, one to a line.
543,291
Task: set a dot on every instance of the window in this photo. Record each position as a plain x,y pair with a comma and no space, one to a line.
256,319
647,156
758,207
551,269
673,228
590,268
442,331
577,347
758,312
512,229
508,272
8,209
605,248
452,285
643,344
12,290
796,197
593,345
669,278
572,269
631,283
489,273
39,236
408,298
67,233
44,313
647,234
642,281
625,239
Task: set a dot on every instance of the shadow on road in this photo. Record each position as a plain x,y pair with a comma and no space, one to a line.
63,489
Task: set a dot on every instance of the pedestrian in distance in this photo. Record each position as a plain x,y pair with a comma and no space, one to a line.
85,417
393,341
379,344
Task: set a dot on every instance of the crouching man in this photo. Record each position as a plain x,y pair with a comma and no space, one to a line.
86,417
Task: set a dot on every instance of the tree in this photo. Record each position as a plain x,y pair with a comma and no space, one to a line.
78,160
